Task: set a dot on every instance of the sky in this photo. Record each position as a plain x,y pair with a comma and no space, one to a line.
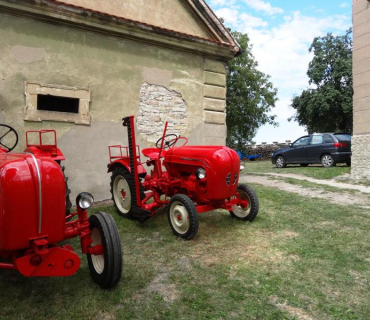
281,32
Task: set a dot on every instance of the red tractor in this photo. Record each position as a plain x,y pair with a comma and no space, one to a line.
34,216
196,179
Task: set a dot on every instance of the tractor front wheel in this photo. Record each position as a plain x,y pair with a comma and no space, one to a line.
183,216
105,269
250,210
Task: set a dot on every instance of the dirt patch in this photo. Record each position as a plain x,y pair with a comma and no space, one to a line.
240,253
345,198
331,183
162,286
292,311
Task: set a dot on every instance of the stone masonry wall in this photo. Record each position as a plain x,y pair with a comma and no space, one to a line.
158,105
361,157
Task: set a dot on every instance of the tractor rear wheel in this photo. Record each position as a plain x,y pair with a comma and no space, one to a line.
251,210
105,269
183,216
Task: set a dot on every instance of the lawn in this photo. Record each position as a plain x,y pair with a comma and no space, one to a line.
299,259
316,171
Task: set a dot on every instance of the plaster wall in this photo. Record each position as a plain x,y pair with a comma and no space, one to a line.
169,14
361,87
113,70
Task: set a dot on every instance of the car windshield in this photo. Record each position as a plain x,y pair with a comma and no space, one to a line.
343,137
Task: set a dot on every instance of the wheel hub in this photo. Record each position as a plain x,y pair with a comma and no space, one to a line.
179,217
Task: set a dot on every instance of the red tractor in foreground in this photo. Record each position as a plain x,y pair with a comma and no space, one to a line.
35,216
196,179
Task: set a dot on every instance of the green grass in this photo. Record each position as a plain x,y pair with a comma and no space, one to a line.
299,255
314,171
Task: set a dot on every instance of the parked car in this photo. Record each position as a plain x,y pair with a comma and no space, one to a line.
325,148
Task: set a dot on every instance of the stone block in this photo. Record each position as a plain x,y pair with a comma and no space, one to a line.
361,54
361,66
214,130
214,92
363,116
214,117
360,157
361,41
361,128
361,104
361,29
361,91
361,79
215,79
214,66
361,17
214,104
359,6
212,141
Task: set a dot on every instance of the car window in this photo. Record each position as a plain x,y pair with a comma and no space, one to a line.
316,139
328,139
343,137
301,141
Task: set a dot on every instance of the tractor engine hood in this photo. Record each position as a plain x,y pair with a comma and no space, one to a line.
32,200
221,163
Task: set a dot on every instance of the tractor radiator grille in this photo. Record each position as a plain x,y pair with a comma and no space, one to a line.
235,178
228,178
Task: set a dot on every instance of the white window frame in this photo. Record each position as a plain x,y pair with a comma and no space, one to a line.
33,89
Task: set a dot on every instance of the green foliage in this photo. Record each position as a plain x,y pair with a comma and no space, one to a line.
250,97
328,106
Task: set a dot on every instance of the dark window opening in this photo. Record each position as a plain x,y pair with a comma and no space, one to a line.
59,104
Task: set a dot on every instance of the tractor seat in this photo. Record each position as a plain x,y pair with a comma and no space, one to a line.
152,153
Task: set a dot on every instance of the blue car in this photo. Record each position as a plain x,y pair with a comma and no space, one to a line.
325,148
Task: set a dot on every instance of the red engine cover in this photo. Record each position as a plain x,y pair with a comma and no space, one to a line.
20,205
221,163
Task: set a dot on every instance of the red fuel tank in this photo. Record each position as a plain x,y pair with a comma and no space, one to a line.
32,200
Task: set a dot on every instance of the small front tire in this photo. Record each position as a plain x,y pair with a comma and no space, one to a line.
250,212
280,162
105,269
183,216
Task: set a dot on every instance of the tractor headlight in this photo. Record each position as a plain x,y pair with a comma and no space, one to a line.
84,200
200,173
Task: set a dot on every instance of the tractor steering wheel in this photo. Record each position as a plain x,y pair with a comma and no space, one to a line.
167,143
13,137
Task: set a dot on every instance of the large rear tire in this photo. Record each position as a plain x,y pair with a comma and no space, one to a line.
183,216
250,212
105,269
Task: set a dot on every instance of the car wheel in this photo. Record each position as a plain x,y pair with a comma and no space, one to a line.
303,164
280,162
251,210
183,216
105,269
327,160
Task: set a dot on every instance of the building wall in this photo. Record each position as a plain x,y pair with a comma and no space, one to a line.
116,71
361,86
169,14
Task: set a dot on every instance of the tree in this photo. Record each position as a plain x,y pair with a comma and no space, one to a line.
328,106
249,99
